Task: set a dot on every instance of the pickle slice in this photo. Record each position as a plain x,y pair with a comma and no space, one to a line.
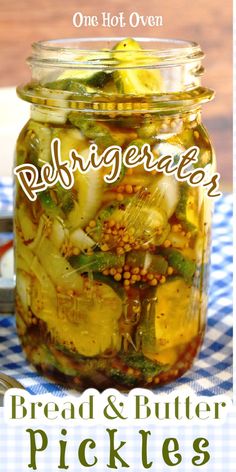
94,77
91,78
135,79
152,262
169,320
187,208
102,134
96,262
87,187
183,265
88,323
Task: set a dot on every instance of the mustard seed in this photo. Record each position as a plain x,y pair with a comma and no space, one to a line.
119,250
167,243
125,238
120,188
129,188
104,247
117,277
153,282
127,247
92,224
120,197
150,276
126,283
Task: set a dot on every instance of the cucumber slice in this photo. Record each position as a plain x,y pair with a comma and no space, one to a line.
108,280
187,209
24,288
89,77
152,262
122,378
61,205
88,187
48,115
185,139
184,266
96,262
168,320
24,220
81,240
177,240
49,205
38,142
55,358
92,77
138,361
69,85
50,112
90,322
83,79
100,133
58,233
136,79
166,188
150,222
57,267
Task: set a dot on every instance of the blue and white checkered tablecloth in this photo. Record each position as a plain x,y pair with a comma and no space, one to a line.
212,371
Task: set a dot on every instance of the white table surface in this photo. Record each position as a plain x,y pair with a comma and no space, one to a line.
14,113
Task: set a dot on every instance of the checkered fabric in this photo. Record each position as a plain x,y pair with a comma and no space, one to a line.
212,371
6,194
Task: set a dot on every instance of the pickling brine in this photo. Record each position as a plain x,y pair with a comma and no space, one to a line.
112,278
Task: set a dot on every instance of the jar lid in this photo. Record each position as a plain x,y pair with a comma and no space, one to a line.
6,383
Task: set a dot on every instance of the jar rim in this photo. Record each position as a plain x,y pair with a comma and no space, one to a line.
63,51
179,61
104,104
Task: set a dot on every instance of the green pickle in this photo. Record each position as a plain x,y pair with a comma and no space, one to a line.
111,278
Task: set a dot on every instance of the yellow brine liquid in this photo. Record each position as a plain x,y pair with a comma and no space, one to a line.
112,278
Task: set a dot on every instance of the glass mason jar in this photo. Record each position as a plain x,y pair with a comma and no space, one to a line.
112,277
